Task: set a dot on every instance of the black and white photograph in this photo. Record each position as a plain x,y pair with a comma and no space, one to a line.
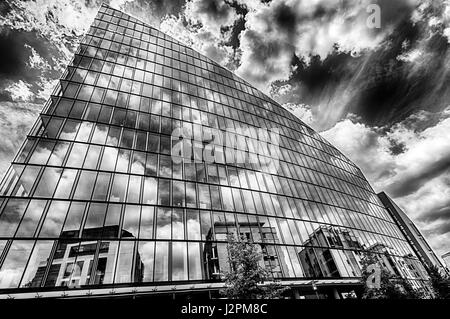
205,152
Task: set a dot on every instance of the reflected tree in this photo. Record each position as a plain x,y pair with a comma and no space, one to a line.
246,279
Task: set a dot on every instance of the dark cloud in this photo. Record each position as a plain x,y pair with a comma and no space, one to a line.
414,182
13,57
238,26
381,87
397,147
440,213
442,228
318,78
5,8
285,18
391,90
213,8
15,54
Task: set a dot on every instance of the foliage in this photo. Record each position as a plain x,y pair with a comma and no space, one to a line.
246,276
391,287
439,282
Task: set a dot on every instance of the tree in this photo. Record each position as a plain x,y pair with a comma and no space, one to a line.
246,278
389,286
439,283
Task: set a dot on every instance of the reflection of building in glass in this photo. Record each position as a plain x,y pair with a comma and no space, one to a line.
95,198
77,264
341,259
216,254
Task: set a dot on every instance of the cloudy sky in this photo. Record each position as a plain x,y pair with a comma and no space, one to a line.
381,95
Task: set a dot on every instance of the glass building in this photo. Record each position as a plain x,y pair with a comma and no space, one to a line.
97,202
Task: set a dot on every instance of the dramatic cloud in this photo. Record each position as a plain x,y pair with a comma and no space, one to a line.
410,161
278,30
407,71
212,14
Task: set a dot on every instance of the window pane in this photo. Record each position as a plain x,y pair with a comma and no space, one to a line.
85,185
11,216
239,207
227,198
151,165
24,184
161,261
191,195
215,198
193,225
206,225
123,160
100,134
153,143
248,200
112,221
134,189
31,219
48,182
125,262
138,163
113,136
109,159
119,188
42,152
58,154
92,157
94,221
77,155
177,224
150,189
165,166
205,200
164,192
147,217
66,183
178,194
146,251
34,274
195,268
84,132
54,219
73,221
69,130
14,263
163,223
179,261
285,230
101,186
130,227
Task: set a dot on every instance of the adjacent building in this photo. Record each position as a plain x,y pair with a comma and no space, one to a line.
418,243
148,154
446,258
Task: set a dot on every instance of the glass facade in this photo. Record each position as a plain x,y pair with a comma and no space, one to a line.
96,196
